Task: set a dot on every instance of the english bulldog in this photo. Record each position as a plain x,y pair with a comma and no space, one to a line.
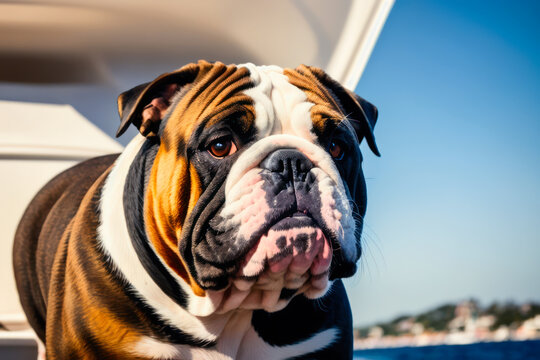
220,232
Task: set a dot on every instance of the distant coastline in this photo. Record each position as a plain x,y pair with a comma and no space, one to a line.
454,324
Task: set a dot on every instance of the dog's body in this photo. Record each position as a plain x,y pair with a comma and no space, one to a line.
221,233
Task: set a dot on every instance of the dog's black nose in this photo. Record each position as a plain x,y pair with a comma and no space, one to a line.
288,162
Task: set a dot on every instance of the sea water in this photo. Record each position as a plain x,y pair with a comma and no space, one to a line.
507,350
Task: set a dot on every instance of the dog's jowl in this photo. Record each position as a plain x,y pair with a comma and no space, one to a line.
222,231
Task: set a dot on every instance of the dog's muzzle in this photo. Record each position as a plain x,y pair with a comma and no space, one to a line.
294,239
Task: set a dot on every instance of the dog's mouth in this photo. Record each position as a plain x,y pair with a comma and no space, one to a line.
292,257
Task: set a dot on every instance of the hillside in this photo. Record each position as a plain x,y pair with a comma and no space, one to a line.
465,322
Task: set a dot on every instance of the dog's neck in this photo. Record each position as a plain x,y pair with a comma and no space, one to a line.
115,240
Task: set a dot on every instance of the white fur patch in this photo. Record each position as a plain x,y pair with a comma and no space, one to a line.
150,348
280,107
259,349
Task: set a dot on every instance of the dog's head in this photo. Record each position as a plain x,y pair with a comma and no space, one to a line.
256,191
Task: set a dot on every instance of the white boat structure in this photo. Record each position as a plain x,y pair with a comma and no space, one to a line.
61,59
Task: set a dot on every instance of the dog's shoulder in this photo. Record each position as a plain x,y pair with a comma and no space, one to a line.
48,215
62,195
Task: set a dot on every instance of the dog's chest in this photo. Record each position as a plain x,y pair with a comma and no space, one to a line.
238,340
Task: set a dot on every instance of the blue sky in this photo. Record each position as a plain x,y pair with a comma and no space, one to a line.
454,201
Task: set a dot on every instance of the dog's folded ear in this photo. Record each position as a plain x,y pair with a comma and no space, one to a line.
360,113
364,122
145,105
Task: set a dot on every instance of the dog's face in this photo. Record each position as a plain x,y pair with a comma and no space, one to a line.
256,192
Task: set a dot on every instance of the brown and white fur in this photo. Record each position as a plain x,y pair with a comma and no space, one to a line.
220,232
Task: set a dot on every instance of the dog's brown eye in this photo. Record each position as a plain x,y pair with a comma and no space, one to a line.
222,147
336,150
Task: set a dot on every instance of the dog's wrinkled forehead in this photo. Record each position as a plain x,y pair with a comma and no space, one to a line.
281,107
268,98
303,102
